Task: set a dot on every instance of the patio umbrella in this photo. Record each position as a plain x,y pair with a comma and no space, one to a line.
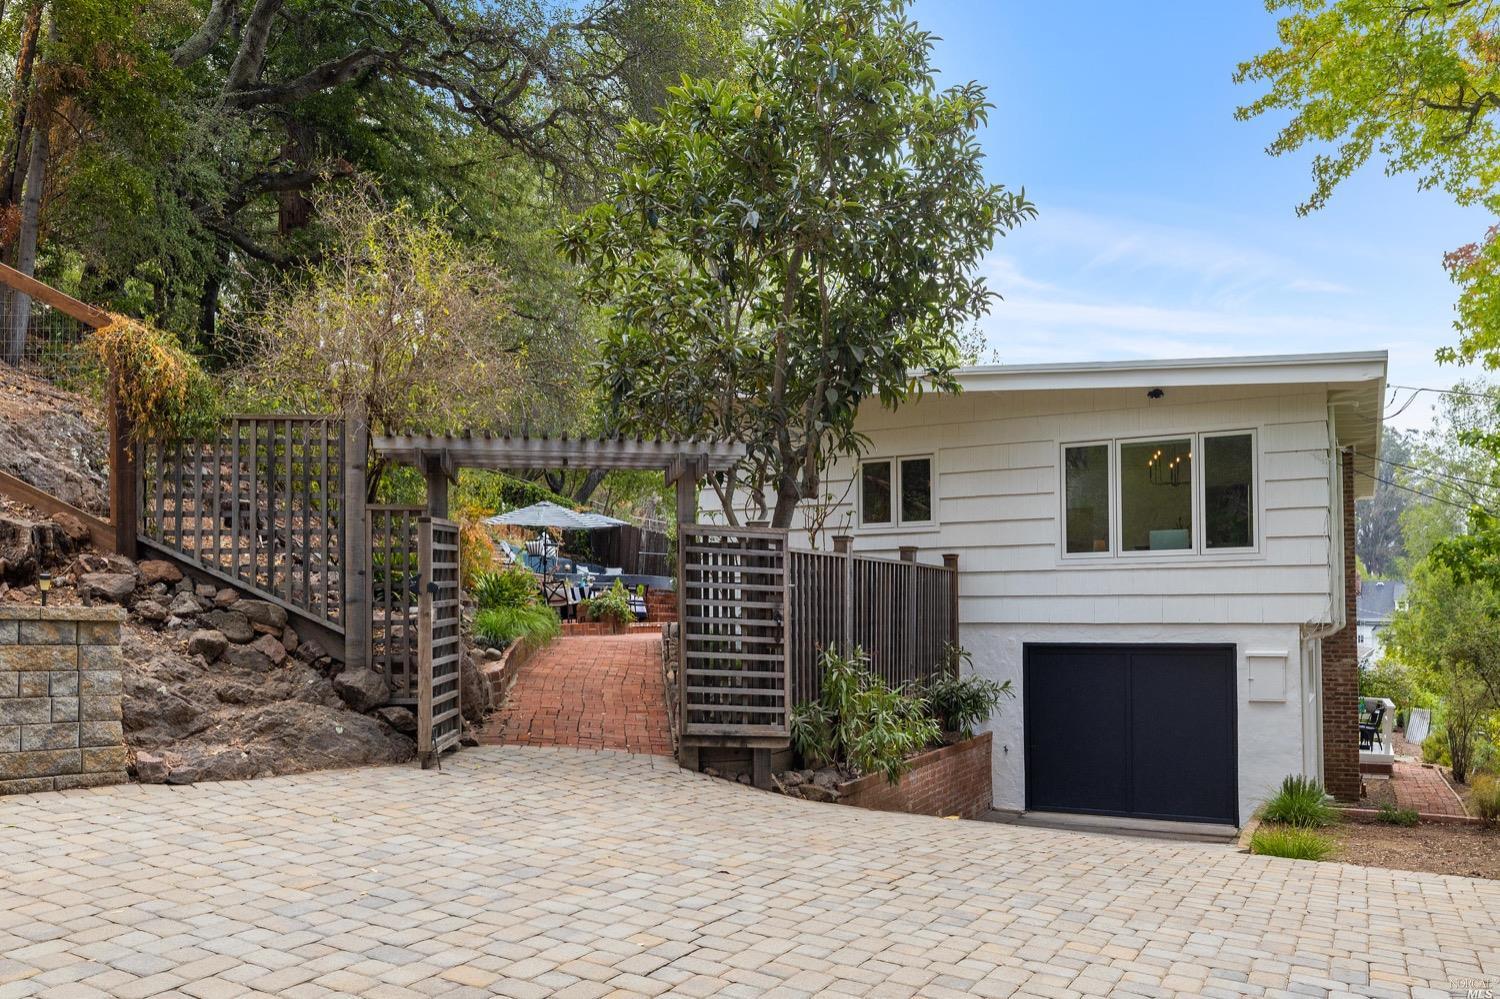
547,514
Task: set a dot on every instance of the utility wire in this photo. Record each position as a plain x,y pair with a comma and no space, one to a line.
1420,388
1431,475
1436,499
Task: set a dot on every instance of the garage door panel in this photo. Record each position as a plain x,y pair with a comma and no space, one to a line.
1183,745
1076,727
1142,730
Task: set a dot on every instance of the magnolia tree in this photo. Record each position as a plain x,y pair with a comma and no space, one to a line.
779,247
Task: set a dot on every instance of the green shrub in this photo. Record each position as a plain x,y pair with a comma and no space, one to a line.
861,723
1484,798
1393,816
1290,842
1300,802
513,586
1435,748
499,626
612,606
958,703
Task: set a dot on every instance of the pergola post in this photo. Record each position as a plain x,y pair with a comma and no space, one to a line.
437,470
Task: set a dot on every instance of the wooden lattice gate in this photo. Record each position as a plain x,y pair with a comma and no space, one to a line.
733,598
439,645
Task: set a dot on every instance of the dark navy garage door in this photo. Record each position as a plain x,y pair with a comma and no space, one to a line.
1137,730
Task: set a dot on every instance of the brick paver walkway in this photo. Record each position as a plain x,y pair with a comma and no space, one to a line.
1424,789
594,692
531,872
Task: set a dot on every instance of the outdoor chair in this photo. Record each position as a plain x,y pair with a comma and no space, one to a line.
1370,731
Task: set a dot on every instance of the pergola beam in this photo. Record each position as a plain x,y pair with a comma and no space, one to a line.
674,457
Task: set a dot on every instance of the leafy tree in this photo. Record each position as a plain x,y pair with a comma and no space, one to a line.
1378,542
399,323
778,247
1448,633
198,132
1414,84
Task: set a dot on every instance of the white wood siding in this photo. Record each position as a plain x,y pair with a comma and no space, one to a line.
996,465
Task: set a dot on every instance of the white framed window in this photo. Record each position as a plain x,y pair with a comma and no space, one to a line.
1161,496
1086,498
897,491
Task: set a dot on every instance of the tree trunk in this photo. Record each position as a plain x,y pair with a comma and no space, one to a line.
31,211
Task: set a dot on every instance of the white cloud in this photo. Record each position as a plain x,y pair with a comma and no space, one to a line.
1317,287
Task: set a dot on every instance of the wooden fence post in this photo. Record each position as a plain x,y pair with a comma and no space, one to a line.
124,499
356,549
950,562
843,544
909,618
687,513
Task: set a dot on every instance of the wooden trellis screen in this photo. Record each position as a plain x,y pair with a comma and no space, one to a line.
259,504
440,649
393,595
732,603
900,613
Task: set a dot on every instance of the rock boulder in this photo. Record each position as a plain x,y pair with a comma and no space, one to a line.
115,587
155,571
362,688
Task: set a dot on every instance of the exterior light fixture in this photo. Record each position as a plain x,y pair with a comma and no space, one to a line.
44,583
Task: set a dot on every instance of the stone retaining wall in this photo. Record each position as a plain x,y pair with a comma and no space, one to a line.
953,780
60,687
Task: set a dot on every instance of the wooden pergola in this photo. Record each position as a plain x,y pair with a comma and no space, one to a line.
683,462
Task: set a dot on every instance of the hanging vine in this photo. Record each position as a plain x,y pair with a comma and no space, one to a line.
163,389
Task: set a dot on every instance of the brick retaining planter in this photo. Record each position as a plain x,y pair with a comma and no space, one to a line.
952,780
60,686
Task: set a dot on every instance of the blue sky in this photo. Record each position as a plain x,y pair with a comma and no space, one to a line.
1165,229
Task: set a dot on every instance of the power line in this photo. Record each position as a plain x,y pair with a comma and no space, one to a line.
1422,388
1435,499
1427,474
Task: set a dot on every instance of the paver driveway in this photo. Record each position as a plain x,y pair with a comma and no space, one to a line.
532,871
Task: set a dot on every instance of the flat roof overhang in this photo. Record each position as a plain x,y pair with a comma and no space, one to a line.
1355,381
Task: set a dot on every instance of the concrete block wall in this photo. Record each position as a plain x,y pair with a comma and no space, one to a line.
60,685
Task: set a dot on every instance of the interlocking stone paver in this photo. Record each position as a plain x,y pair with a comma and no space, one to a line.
533,872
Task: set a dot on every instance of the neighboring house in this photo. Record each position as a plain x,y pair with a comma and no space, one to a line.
1159,555
1377,601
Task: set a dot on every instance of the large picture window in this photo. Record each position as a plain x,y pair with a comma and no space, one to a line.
1177,493
896,492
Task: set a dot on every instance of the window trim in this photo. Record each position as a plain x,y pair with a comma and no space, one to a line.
1062,495
896,523
1255,496
1198,551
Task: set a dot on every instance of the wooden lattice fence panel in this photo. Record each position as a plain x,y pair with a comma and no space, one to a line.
732,583
440,647
393,595
258,504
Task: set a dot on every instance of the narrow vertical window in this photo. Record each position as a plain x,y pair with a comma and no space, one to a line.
1228,491
1086,484
875,492
916,490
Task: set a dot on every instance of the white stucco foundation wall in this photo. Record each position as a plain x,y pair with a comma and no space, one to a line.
1269,731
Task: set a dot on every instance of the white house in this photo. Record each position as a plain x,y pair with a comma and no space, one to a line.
1157,554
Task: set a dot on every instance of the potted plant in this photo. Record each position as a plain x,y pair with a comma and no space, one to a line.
960,702
612,607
